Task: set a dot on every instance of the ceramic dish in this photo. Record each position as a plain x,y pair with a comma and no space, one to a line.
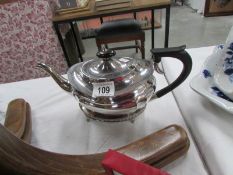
203,83
223,76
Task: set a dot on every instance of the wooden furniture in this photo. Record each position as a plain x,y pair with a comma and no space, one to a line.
7,1
120,31
18,119
136,6
218,8
159,149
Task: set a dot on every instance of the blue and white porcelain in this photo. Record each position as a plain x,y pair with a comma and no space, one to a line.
203,82
214,81
223,76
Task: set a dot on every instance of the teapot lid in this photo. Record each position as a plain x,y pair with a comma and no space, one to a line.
119,73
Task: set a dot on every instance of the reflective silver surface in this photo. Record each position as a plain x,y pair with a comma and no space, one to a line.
125,75
134,85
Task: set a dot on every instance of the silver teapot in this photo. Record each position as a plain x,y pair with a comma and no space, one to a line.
118,89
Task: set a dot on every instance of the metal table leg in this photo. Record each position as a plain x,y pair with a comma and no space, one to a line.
56,27
134,15
101,20
167,25
152,28
76,41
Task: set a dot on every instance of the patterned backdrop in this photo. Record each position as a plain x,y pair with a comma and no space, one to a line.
27,37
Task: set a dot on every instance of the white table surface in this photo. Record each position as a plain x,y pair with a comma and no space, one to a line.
60,126
212,127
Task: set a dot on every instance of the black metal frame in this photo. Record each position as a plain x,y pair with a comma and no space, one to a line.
134,11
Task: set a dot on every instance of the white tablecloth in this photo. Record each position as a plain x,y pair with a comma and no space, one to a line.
60,126
211,126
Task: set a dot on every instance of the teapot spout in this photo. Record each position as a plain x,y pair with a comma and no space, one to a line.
61,81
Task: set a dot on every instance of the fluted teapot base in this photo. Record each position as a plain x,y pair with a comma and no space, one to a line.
111,118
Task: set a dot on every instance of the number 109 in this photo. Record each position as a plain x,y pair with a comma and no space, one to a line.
104,90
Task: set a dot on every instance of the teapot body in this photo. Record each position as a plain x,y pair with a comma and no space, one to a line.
113,95
117,89
126,105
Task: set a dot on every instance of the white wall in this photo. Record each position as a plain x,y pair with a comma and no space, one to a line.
199,5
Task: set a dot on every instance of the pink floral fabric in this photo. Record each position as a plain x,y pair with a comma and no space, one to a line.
26,38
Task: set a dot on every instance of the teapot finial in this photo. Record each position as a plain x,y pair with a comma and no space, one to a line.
106,54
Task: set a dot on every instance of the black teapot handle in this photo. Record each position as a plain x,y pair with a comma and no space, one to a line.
178,53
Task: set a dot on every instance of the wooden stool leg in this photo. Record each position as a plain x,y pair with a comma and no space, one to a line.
106,46
98,44
143,49
136,43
